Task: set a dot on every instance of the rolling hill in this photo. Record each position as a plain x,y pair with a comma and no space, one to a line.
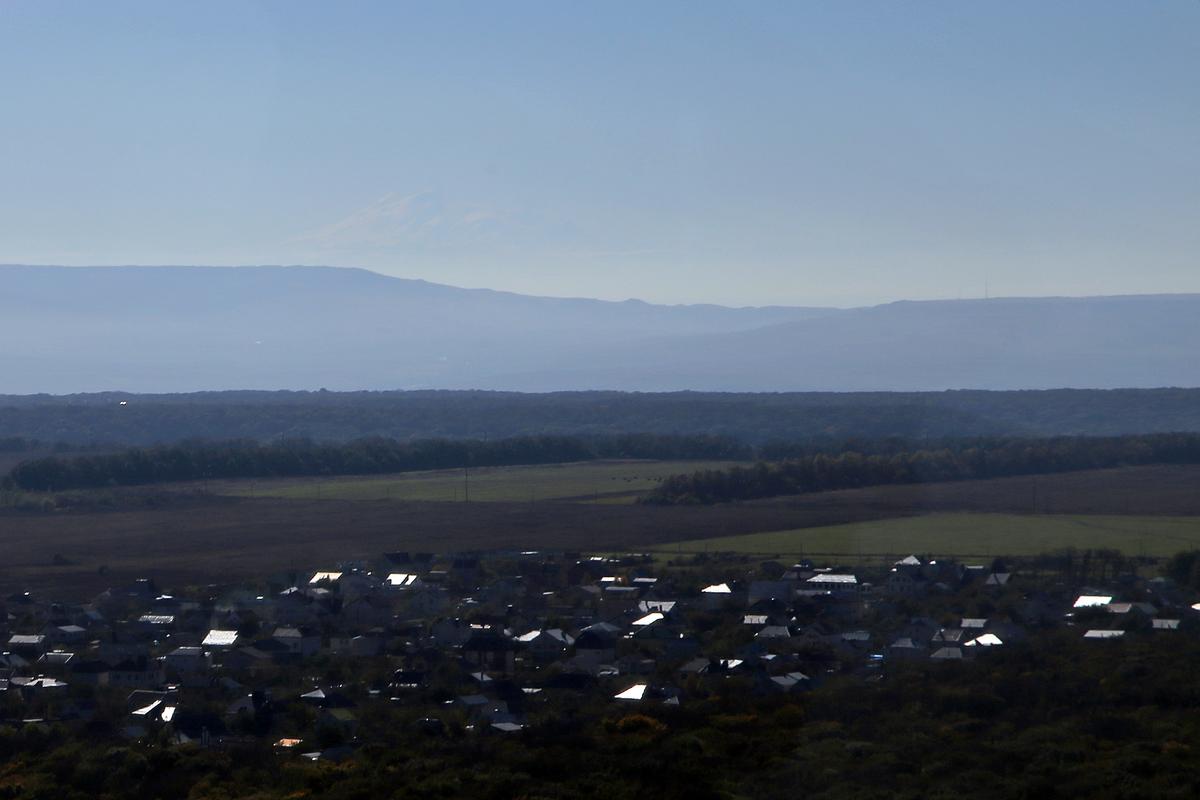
172,329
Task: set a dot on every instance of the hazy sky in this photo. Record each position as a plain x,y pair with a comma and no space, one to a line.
807,153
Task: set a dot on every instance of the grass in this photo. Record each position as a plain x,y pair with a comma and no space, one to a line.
589,481
965,534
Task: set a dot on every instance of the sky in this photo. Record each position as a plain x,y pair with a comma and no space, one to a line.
807,153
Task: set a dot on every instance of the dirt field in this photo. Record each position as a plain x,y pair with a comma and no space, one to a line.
1151,490
587,481
233,539
229,539
966,535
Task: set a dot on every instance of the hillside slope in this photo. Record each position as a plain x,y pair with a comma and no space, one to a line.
155,329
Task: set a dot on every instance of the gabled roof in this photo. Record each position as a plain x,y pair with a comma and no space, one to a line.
1092,600
833,578
57,657
635,692
1103,634
790,680
1125,608
187,652
986,640
665,606
717,588
947,654
774,632
20,639
220,638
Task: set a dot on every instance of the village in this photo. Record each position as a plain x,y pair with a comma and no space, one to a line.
311,662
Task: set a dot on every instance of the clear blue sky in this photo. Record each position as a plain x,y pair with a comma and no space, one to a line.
808,153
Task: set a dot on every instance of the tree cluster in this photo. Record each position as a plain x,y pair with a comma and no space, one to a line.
247,459
750,417
968,460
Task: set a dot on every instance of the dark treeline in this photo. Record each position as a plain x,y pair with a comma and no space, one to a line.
247,459
18,444
146,420
880,464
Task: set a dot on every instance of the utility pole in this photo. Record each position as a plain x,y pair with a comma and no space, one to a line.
467,480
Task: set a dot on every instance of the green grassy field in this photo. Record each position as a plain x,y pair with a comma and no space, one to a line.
590,481
968,534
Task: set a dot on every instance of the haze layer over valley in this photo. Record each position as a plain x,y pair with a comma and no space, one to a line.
169,329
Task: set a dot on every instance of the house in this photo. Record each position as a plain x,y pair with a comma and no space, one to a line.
400,581
947,654
298,641
220,639
65,634
56,662
341,720
365,646
596,645
854,640
1132,609
633,694
449,633
488,648
366,612
1091,601
27,644
248,704
664,607
137,673
1103,634
184,660
40,686
715,596
768,590
985,640
903,584
546,645
155,624
326,698
647,621
905,648
949,636
830,582
774,632
790,681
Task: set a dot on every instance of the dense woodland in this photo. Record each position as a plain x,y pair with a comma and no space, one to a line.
888,463
782,468
752,418
248,459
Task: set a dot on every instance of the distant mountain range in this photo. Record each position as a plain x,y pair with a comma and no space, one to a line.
168,329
